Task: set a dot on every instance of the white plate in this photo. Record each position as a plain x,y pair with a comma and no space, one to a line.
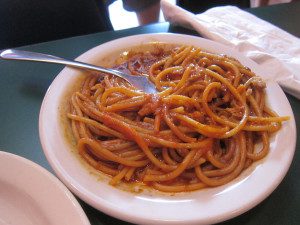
200,207
31,195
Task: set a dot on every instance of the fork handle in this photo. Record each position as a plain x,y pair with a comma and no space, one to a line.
14,54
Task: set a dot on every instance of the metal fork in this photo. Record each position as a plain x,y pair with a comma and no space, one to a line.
140,82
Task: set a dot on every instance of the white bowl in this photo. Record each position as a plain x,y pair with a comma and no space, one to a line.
199,207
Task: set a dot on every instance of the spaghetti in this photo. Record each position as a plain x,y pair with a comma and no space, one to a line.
200,130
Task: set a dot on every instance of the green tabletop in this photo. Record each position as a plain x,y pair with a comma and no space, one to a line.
23,86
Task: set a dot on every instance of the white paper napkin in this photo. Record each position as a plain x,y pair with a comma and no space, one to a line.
269,46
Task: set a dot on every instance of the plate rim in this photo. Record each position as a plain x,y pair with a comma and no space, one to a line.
39,173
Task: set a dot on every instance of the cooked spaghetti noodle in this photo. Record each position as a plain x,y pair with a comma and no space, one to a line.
200,130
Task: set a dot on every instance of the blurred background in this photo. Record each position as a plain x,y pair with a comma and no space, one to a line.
25,22
122,19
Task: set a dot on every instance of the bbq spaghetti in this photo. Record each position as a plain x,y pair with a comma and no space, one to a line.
200,130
